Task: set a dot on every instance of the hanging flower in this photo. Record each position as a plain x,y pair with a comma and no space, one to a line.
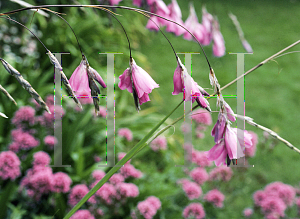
158,7
207,20
175,15
183,82
192,24
137,81
83,83
219,43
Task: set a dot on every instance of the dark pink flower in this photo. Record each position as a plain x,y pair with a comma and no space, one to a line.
126,133
192,24
191,189
137,81
273,205
116,178
159,143
77,193
41,158
148,208
129,171
248,212
259,196
199,175
283,191
82,214
61,182
127,190
98,174
22,140
79,81
183,82
154,201
215,197
24,114
221,173
218,153
175,15
9,165
194,210
219,43
107,193
207,20
202,116
50,141
40,182
219,128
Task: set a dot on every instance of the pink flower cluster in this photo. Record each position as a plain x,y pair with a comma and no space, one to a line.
126,133
199,175
191,189
82,214
22,140
159,143
221,173
41,181
24,114
200,158
274,199
148,208
215,197
129,170
77,193
9,165
50,141
194,210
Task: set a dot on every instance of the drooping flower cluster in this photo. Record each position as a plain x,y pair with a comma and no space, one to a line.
138,82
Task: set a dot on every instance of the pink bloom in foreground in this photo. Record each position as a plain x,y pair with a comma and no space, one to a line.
202,116
24,114
9,165
215,197
77,193
82,214
79,81
141,84
126,133
159,143
194,210
175,15
61,182
219,43
41,158
129,171
248,212
107,193
199,175
148,208
192,24
183,82
127,190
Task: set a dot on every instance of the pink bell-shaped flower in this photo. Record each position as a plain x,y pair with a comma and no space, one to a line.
158,7
192,24
183,82
79,81
219,43
207,20
137,81
175,15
